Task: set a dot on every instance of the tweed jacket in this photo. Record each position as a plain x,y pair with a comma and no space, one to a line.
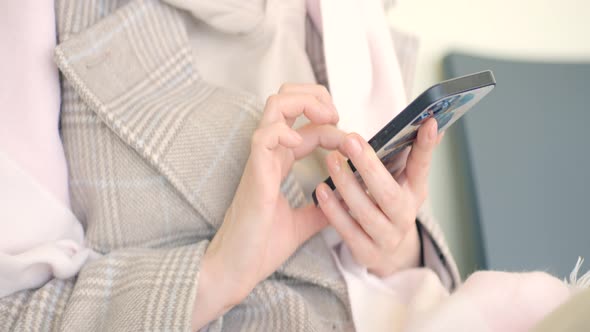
155,154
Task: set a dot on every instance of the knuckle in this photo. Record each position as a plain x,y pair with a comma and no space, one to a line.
389,195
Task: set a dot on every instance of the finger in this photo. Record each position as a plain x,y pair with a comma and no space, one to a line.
359,242
386,192
326,136
400,166
310,220
418,164
272,136
287,107
367,214
319,91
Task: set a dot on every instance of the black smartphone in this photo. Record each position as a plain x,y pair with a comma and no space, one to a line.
446,102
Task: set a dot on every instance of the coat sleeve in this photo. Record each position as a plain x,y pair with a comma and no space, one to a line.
435,251
125,290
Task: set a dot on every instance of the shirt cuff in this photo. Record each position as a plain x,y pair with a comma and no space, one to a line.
431,258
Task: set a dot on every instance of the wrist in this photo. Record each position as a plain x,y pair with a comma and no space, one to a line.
214,298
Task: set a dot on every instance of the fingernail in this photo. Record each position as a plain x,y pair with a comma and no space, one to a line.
334,164
352,146
433,131
322,194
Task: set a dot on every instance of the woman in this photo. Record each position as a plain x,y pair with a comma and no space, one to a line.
188,222
186,194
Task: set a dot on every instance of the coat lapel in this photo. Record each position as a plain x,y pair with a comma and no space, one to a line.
134,69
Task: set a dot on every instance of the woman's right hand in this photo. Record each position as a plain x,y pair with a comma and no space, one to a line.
260,230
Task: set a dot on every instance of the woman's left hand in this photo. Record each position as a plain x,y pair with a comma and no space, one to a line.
380,227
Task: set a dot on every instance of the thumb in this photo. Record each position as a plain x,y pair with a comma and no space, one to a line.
309,221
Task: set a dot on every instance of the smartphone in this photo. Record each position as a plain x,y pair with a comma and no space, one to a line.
446,102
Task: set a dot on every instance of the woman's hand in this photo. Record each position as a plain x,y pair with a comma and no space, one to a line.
380,227
260,230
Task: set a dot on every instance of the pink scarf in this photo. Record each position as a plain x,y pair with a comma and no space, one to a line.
363,71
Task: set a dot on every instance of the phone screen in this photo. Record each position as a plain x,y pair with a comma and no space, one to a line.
445,111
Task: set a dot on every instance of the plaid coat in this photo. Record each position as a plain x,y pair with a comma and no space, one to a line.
155,155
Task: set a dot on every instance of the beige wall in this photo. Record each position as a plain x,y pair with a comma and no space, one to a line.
521,29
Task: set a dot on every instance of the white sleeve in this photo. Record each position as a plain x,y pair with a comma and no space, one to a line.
378,304
432,258
40,238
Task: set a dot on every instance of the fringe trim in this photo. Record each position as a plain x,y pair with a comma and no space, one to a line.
576,283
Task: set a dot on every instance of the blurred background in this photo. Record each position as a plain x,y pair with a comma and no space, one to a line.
510,195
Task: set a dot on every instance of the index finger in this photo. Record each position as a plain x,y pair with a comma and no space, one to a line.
418,164
288,106
326,136
386,192
319,91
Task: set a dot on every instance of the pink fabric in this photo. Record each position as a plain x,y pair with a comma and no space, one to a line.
362,67
487,301
252,46
416,300
380,304
39,237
